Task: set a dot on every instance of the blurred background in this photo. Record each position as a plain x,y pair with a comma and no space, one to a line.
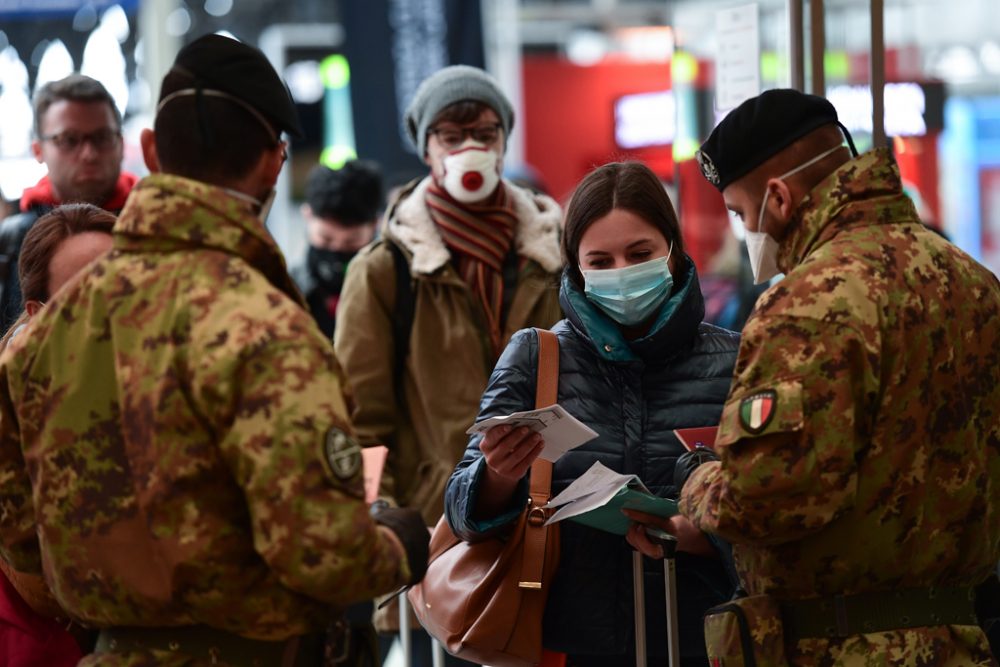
592,81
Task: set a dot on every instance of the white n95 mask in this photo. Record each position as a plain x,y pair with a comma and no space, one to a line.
470,175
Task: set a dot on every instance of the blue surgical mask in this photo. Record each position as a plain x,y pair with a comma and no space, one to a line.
630,295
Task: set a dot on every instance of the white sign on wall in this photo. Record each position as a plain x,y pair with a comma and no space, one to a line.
905,104
737,63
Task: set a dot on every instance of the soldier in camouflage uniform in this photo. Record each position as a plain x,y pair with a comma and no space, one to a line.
175,455
860,444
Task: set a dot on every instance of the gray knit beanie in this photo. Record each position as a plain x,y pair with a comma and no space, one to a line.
448,86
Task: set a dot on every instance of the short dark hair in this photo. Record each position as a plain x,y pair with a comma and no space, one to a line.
207,138
461,113
351,195
75,88
630,186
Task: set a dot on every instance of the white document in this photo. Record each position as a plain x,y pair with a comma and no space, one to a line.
561,430
591,490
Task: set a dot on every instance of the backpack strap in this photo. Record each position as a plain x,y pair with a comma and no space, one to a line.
402,316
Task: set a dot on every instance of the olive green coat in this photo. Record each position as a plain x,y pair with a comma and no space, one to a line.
449,359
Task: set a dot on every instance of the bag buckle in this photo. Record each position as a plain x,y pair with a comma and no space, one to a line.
536,516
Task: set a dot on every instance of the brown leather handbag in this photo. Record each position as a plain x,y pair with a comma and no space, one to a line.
484,601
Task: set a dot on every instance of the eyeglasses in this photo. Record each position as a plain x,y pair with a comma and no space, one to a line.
70,142
453,137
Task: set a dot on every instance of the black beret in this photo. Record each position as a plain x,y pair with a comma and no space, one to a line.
758,129
237,69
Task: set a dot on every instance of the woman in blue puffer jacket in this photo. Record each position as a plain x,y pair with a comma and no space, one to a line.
635,362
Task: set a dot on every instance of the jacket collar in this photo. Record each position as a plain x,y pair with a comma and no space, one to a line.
536,236
170,212
42,197
864,191
675,326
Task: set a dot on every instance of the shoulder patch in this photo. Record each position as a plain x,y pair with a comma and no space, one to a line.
341,454
757,410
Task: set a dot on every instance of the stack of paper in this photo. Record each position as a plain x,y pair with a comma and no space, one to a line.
598,497
561,430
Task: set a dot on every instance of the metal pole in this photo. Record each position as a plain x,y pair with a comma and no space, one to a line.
877,74
404,630
640,610
159,48
502,41
796,50
817,46
437,654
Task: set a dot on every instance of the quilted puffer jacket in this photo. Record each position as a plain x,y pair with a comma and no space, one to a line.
633,393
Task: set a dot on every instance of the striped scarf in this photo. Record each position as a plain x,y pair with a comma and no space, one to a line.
479,237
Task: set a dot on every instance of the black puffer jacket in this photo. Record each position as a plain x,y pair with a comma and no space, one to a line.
633,394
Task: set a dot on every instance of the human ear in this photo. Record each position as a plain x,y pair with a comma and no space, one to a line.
780,200
147,139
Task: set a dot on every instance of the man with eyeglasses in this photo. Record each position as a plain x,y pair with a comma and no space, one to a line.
78,137
466,258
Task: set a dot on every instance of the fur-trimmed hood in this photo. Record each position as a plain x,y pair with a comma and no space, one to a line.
539,221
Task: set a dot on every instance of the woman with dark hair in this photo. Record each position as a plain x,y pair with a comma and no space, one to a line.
635,362
33,629
56,247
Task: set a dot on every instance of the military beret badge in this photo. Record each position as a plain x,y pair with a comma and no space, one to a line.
756,411
708,169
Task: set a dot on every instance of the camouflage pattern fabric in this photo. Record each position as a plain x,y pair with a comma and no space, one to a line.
174,447
860,443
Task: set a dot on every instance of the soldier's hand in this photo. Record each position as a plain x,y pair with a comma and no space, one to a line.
688,462
409,527
509,452
689,537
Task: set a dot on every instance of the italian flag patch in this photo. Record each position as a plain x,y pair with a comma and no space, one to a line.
756,411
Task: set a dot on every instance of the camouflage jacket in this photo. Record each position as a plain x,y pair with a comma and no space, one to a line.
173,441
860,443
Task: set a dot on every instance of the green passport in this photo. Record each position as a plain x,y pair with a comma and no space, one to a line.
609,517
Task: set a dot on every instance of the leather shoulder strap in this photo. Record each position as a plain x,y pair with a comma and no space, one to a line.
546,393
536,533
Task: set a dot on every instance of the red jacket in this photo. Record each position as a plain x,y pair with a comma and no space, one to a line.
28,639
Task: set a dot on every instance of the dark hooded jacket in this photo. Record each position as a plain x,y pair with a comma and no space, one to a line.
633,393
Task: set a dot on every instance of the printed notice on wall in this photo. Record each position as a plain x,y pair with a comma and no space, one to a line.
737,64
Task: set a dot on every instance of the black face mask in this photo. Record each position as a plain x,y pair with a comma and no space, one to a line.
328,267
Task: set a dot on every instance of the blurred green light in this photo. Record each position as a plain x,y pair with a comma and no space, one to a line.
770,66
836,64
684,149
335,156
683,68
334,71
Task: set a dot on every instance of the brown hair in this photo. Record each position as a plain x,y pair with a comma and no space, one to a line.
630,186
45,236
460,113
41,243
74,88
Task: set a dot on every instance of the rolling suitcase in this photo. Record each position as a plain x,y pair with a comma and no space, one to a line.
669,544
